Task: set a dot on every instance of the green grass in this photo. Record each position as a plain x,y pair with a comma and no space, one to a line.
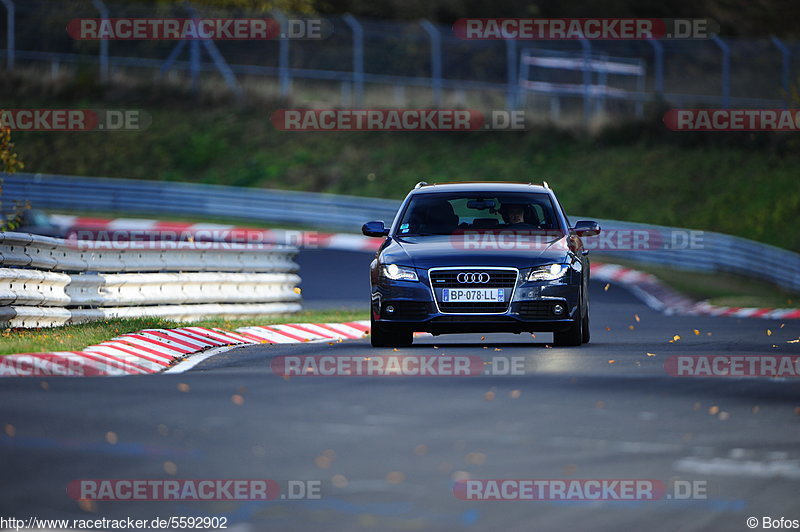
739,184
77,337
724,289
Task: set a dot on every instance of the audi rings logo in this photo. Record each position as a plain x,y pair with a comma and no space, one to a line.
473,278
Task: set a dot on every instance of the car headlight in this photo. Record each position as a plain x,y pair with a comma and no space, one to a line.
548,272
399,273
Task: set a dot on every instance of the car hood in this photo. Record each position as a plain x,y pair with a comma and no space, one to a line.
433,251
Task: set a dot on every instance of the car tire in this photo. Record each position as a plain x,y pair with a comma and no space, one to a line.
379,337
585,326
572,336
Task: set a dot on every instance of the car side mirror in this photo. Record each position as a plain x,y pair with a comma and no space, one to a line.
586,228
374,229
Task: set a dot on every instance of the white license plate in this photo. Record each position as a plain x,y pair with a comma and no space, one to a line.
473,295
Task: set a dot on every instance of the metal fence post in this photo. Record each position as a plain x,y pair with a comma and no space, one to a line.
284,73
587,80
10,22
511,74
194,64
658,50
523,76
223,68
171,58
215,55
436,61
104,14
358,57
726,70
785,62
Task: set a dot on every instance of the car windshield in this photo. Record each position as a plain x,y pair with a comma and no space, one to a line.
454,213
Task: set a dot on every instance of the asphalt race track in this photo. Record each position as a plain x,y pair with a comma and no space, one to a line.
388,449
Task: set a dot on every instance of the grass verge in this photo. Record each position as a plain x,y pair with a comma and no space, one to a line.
77,337
724,289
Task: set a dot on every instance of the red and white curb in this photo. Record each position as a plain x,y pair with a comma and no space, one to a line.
658,296
92,227
165,350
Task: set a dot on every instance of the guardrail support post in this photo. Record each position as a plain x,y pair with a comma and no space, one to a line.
786,57
10,38
658,50
726,71
358,57
284,72
104,14
640,89
511,75
436,61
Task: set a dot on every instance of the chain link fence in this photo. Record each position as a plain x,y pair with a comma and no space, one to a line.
379,63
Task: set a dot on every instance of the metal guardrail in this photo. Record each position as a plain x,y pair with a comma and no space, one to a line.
84,194
46,281
714,252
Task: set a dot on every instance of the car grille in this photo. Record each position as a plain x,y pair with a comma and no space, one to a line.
506,279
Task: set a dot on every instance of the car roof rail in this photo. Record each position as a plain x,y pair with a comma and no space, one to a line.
421,184
546,185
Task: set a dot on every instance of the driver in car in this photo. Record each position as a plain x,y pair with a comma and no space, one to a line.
514,215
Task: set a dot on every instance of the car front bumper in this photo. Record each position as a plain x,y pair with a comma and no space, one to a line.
411,305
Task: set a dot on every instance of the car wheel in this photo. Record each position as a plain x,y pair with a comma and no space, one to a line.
572,336
585,327
379,337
